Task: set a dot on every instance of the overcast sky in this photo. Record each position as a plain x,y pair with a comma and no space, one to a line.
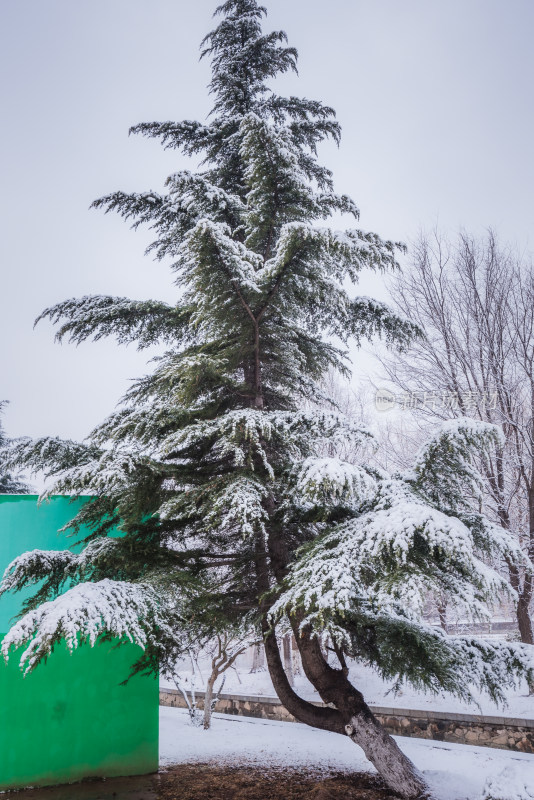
435,101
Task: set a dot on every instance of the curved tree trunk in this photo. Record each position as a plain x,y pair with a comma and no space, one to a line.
351,715
360,724
346,711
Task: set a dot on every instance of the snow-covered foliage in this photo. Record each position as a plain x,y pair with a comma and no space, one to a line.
330,481
59,565
84,613
32,565
9,483
407,540
445,467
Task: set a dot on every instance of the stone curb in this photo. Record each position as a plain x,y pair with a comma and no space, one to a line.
507,733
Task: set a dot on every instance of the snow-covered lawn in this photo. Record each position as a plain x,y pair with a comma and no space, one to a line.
455,772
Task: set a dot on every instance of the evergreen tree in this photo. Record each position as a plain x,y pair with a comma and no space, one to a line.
9,484
211,468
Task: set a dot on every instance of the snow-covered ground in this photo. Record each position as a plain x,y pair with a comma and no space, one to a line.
376,692
455,772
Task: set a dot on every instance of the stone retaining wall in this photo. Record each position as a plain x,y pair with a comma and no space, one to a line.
502,732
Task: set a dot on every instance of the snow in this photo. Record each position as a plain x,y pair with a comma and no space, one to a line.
334,480
82,614
454,772
335,572
35,564
508,783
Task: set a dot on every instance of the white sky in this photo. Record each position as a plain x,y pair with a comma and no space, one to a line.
435,100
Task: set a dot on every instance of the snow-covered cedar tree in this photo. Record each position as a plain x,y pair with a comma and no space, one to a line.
214,466
9,483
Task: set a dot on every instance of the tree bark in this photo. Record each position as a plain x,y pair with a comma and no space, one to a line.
327,719
524,593
346,711
442,613
288,661
258,658
359,722
295,657
350,715
208,699
524,620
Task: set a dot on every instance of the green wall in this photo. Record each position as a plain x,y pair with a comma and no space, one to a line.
69,719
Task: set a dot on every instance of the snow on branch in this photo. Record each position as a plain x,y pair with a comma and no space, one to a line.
313,263
203,199
36,565
50,455
492,665
142,207
231,506
368,318
108,474
237,434
208,252
239,505
330,480
98,316
445,467
33,566
410,650
189,135
495,541
82,614
396,553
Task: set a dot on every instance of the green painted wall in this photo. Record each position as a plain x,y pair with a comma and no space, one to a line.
70,719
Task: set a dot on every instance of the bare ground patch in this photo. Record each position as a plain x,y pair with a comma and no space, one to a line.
193,782
201,781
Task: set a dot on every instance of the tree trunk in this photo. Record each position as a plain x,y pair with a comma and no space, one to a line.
524,591
524,621
288,661
386,756
208,699
525,597
351,716
442,613
296,657
359,722
258,658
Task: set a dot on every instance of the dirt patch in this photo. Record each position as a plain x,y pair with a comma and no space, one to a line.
196,782
201,781
142,787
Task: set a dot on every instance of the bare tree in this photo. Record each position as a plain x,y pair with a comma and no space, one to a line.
474,300
224,650
221,651
187,684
